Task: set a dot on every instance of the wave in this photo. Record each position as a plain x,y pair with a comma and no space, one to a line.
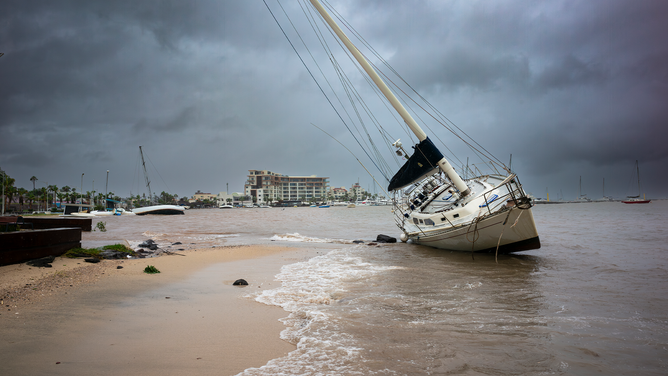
310,291
296,237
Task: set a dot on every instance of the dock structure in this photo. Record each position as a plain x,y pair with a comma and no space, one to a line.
21,246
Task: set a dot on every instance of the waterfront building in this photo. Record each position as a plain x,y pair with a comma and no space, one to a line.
357,192
338,194
201,196
266,187
234,199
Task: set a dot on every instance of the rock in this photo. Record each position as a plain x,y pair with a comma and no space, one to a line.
44,262
240,282
150,244
177,243
119,267
110,254
92,260
385,239
358,241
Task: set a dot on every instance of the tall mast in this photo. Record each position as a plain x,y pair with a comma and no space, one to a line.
443,164
148,182
638,172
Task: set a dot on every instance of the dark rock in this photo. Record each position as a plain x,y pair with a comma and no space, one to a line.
385,239
358,241
150,244
372,243
92,260
44,262
177,243
146,243
119,267
110,254
240,282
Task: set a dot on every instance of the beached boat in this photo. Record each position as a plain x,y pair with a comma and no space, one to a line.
155,209
159,209
636,199
226,207
433,204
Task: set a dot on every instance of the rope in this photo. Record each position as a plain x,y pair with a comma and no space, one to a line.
496,255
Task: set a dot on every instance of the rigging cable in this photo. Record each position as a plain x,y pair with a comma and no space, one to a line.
320,87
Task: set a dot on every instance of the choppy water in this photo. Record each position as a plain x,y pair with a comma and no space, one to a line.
592,300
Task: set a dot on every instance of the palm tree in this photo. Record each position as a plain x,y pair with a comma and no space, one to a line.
33,180
61,196
21,192
52,189
31,198
45,195
8,184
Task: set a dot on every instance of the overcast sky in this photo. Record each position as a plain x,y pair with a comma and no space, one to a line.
211,89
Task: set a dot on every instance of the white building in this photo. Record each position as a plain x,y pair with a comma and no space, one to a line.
266,187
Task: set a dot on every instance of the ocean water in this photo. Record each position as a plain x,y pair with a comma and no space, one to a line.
592,300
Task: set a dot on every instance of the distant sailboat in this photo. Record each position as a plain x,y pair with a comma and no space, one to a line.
582,197
637,199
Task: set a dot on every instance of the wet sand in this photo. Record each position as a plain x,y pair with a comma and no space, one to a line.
78,318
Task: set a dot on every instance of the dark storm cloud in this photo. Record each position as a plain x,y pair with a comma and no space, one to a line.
212,89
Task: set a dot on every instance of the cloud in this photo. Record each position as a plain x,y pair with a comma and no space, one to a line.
212,88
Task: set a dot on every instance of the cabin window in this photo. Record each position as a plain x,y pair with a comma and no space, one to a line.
421,221
455,216
428,222
415,220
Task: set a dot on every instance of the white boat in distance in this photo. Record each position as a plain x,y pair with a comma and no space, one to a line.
636,199
160,209
433,204
156,209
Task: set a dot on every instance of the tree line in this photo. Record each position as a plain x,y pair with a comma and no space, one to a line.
19,199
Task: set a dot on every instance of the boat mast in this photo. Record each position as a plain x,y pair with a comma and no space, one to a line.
148,182
638,173
443,164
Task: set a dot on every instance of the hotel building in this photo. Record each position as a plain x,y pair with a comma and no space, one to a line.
266,186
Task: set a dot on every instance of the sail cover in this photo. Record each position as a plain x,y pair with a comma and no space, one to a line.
423,162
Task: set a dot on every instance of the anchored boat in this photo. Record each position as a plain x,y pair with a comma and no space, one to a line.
636,199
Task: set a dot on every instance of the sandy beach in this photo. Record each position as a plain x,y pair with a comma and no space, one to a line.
78,318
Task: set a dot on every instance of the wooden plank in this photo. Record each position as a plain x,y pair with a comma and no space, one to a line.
22,246
86,224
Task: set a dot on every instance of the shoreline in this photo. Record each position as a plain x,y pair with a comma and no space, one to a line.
78,318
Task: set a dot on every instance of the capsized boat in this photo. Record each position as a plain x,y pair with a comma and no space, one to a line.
155,209
160,209
433,204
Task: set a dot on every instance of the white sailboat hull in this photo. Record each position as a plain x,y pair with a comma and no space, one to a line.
160,209
516,230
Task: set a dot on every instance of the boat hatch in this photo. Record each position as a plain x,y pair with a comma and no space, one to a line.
489,201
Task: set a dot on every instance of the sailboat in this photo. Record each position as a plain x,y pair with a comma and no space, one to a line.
155,209
636,199
582,197
433,204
